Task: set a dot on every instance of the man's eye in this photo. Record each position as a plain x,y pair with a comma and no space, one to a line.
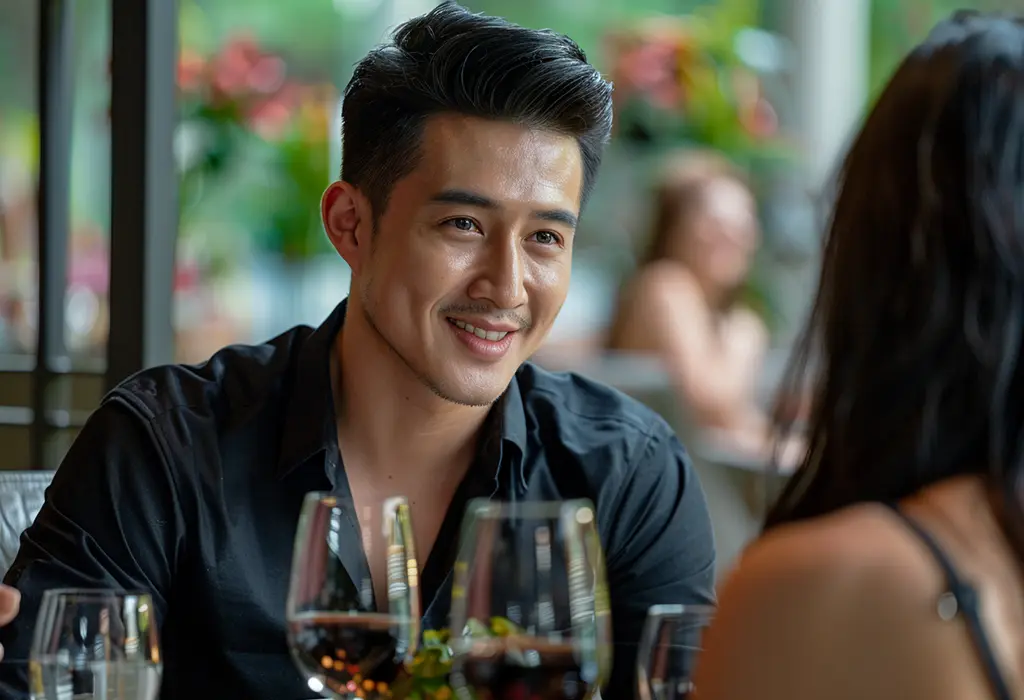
462,223
546,238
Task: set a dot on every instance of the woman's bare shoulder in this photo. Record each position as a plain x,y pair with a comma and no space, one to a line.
858,551
842,607
664,279
658,295
845,536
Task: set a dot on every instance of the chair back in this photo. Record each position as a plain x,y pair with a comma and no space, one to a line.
21,497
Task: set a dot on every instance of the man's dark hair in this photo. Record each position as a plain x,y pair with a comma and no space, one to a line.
452,60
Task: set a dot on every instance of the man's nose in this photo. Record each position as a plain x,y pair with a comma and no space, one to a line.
502,277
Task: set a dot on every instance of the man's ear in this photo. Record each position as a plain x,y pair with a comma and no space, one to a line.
346,214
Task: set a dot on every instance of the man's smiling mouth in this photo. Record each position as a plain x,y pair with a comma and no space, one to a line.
493,336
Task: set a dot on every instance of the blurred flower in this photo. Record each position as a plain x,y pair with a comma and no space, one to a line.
681,78
271,117
266,75
231,67
240,104
761,120
191,70
239,71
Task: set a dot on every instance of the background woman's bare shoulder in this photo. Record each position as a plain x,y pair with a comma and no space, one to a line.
843,606
665,282
662,294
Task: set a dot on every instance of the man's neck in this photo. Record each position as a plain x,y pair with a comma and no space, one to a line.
391,424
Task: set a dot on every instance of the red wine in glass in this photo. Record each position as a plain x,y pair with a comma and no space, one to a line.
530,615
508,671
339,638
353,654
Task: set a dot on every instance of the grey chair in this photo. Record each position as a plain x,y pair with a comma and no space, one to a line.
21,497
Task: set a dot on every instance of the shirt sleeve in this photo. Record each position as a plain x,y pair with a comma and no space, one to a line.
660,548
111,519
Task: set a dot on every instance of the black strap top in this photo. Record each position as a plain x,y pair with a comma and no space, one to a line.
961,599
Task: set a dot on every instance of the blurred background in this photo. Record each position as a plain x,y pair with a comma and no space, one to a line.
776,87
774,84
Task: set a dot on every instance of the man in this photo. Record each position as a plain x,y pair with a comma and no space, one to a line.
470,145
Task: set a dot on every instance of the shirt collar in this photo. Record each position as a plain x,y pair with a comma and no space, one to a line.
513,430
310,424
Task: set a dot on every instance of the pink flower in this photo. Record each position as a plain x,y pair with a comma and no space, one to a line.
186,276
231,68
271,117
266,75
191,70
761,120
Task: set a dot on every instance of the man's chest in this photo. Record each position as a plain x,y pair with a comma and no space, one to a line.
232,595
429,505
227,608
238,567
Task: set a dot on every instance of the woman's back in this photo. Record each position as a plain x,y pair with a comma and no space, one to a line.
852,605
917,336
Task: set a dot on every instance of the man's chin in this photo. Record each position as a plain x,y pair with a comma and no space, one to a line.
468,393
477,398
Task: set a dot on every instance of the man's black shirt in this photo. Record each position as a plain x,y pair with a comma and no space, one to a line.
187,482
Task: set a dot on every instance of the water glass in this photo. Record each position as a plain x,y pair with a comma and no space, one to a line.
92,644
669,646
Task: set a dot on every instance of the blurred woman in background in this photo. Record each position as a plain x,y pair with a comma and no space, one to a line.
891,567
683,302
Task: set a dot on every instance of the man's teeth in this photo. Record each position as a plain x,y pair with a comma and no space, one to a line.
480,332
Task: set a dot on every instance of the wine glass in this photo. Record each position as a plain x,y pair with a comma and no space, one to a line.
344,641
95,644
669,646
530,615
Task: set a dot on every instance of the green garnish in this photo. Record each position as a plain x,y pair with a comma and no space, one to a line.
428,676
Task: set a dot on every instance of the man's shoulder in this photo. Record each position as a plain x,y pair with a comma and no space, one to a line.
591,412
235,377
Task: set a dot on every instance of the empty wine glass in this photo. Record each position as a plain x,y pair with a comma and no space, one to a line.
345,641
669,646
95,644
530,615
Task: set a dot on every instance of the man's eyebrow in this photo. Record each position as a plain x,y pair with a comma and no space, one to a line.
558,216
464,197
473,199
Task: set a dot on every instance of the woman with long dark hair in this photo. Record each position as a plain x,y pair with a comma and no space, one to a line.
891,566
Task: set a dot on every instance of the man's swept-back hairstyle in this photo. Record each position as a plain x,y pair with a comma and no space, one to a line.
451,60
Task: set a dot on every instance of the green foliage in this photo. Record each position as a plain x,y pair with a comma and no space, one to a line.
246,120
897,26
289,200
586,21
681,81
311,26
428,677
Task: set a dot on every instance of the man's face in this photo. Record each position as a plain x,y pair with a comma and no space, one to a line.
470,262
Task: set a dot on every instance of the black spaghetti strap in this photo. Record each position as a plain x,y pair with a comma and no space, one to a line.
953,579
965,600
